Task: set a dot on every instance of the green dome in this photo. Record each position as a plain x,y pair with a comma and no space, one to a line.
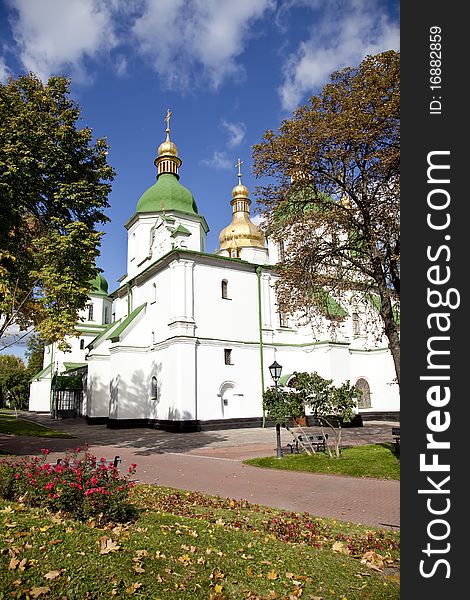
167,194
99,285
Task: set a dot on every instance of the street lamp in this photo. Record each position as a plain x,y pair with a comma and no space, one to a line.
275,369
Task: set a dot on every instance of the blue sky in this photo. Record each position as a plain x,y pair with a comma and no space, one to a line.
228,70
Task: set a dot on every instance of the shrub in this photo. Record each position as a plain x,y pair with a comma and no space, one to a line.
81,486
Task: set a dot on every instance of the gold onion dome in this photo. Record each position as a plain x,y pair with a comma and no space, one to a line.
167,147
241,233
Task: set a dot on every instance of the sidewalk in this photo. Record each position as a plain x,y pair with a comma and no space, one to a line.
211,462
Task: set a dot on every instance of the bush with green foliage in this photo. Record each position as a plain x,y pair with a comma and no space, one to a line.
80,486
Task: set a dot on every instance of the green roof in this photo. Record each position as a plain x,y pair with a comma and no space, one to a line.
46,371
180,230
167,194
99,285
72,366
376,302
328,305
127,321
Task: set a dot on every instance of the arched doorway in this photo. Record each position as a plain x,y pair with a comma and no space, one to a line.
229,400
363,386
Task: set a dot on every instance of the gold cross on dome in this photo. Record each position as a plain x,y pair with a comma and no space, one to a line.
167,119
239,164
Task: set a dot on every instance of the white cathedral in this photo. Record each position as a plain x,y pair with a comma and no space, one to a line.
186,341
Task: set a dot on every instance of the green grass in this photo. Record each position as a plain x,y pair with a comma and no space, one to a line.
192,546
373,460
17,426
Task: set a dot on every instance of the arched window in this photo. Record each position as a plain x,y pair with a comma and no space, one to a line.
82,344
154,293
154,388
356,323
224,289
106,315
363,386
90,312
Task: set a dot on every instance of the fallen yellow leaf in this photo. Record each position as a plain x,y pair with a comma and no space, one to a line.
39,591
52,575
272,575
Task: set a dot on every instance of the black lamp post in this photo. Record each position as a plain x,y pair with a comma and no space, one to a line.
275,369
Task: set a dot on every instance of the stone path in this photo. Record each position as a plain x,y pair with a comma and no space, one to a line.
211,462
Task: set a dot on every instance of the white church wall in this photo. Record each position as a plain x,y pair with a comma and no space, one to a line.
129,375
377,368
235,318
228,391
97,390
40,396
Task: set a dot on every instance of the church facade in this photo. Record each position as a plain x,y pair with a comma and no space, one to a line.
186,341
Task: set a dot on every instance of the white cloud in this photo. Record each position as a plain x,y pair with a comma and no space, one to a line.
4,70
343,34
236,132
219,160
55,37
121,65
189,41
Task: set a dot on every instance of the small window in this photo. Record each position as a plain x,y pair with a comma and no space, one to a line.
356,324
154,390
90,312
154,292
106,315
82,344
283,320
224,286
281,251
228,356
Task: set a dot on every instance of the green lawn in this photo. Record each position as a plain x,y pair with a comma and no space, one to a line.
373,460
18,426
192,546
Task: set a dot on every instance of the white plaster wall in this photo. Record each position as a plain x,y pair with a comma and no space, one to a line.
244,374
378,369
218,318
40,396
97,391
129,376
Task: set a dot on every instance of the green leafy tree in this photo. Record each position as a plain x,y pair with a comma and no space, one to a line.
14,382
280,406
331,405
334,202
54,185
35,355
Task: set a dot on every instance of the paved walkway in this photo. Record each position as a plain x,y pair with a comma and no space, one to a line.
211,462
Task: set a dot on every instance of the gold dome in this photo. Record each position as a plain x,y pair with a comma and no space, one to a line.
167,147
241,233
240,191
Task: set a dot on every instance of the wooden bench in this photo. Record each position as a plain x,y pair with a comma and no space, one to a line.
396,440
317,441
108,461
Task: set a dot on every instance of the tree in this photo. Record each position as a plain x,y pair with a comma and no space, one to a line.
54,184
281,406
331,405
14,382
35,355
334,202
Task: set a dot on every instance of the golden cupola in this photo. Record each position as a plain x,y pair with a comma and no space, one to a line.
167,160
241,233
